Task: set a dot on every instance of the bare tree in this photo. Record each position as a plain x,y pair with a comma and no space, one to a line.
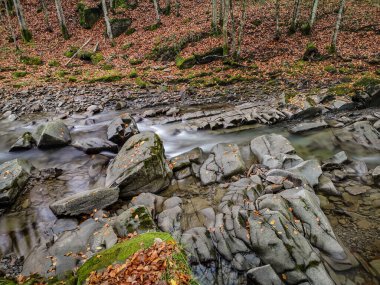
241,26
107,20
226,6
337,25
313,14
277,31
157,10
10,24
61,19
296,12
167,7
25,33
214,15
46,16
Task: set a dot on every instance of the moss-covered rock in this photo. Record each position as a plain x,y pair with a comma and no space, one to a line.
119,253
31,60
120,26
88,16
184,63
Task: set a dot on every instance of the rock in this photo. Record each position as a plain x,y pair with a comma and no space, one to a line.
121,129
93,109
224,161
335,161
375,264
327,187
376,125
186,159
172,111
360,133
140,166
303,127
376,175
357,189
13,176
120,105
89,16
95,145
310,169
183,173
308,113
120,26
135,219
24,142
272,145
324,202
264,275
85,202
52,134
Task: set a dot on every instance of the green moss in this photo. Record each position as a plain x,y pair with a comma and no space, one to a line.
119,253
135,61
107,78
7,282
53,63
130,31
141,83
62,73
31,60
153,27
72,50
107,66
289,95
330,69
26,35
367,81
88,16
305,28
126,46
133,73
72,79
96,58
18,74
184,63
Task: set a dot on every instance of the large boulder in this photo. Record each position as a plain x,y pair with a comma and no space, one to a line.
224,161
13,177
272,145
24,142
120,26
121,129
85,202
88,16
140,166
52,134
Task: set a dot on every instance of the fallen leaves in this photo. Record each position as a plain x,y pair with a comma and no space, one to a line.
154,265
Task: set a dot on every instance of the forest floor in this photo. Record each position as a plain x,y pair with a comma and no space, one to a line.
134,59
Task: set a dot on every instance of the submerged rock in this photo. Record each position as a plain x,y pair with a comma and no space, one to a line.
95,145
13,176
304,127
121,129
25,142
360,133
140,166
224,161
52,134
335,161
85,202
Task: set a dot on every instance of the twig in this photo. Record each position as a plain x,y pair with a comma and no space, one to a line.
77,51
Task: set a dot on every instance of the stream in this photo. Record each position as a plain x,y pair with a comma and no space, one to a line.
31,219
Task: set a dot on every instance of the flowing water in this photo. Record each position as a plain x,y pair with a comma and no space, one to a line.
31,219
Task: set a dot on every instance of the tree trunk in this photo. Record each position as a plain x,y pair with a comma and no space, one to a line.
46,16
233,29
313,14
241,26
25,33
10,24
61,19
177,7
221,13
107,20
157,10
226,5
277,32
296,12
337,26
214,13
167,7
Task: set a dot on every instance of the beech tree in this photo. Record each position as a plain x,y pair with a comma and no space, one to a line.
61,20
46,15
277,30
296,12
25,33
107,20
157,10
337,25
313,14
10,24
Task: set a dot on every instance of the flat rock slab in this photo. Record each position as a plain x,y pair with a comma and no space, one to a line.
357,189
272,145
304,127
95,145
13,177
85,202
